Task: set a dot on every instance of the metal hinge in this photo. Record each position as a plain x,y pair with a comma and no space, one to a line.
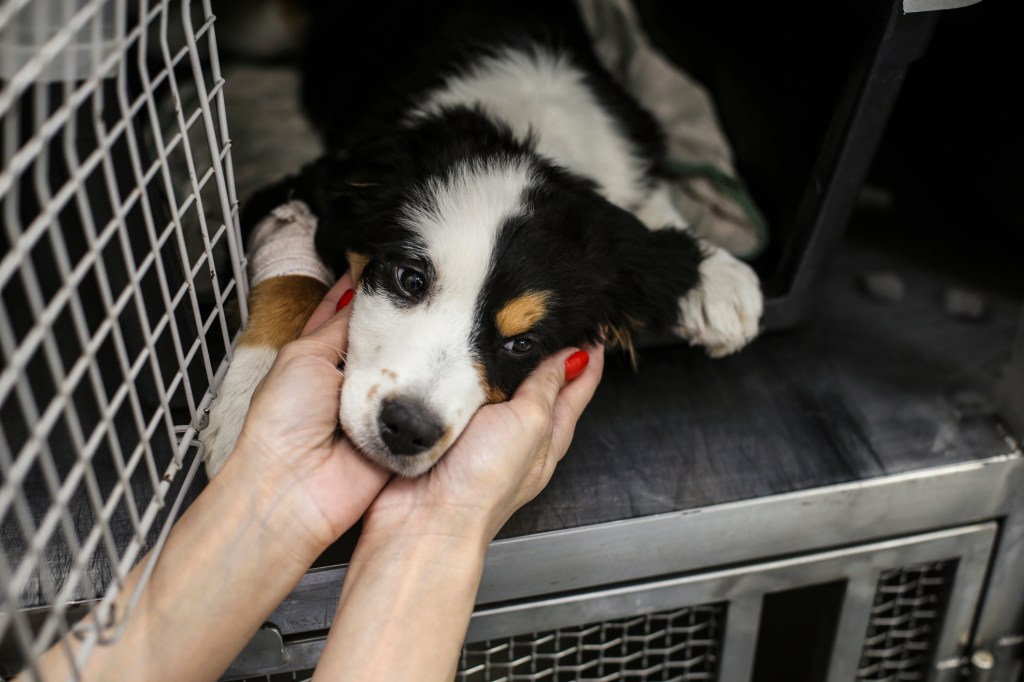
977,667
265,651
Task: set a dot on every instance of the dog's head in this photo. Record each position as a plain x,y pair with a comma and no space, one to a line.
469,272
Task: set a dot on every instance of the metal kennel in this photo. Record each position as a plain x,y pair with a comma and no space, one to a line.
122,288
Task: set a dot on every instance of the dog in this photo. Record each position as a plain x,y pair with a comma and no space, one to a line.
497,197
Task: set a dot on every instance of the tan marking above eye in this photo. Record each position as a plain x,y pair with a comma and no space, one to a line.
519,315
357,262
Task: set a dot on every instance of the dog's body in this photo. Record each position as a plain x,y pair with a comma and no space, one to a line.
498,198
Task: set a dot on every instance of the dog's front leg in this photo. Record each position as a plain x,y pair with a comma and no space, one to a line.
722,313
289,281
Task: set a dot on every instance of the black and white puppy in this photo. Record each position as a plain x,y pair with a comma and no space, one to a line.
498,198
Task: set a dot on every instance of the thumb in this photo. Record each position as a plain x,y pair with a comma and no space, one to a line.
541,387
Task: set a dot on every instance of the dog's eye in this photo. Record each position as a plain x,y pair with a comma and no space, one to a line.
413,283
519,346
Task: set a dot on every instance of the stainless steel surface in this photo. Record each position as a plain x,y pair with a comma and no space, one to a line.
300,658
859,565
1000,627
741,589
699,539
744,531
705,627
854,620
935,5
740,642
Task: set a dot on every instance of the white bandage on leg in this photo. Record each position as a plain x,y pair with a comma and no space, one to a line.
282,244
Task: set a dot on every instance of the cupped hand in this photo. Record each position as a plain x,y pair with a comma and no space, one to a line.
502,460
291,444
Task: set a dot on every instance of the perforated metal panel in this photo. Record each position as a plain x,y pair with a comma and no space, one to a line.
906,616
681,645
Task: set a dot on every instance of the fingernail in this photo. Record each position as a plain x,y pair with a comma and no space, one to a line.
575,364
345,299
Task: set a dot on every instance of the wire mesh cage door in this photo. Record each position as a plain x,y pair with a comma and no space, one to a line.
121,290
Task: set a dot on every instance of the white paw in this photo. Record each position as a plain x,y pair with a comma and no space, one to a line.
723,312
228,409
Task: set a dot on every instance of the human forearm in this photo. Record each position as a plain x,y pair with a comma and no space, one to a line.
405,607
225,566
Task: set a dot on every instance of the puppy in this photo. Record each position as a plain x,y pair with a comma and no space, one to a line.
497,197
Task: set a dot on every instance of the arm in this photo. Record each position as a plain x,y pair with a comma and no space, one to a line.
411,586
284,495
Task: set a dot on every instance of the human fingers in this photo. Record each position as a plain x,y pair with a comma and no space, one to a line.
329,305
534,402
572,400
306,375
539,390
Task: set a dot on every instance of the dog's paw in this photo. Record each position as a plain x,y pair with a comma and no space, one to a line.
228,409
723,312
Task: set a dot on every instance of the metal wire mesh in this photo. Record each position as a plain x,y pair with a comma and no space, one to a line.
119,297
682,645
909,607
297,676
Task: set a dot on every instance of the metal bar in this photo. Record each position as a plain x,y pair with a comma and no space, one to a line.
844,158
964,600
742,623
853,625
1000,626
226,181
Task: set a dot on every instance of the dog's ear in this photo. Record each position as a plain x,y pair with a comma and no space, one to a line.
357,196
651,270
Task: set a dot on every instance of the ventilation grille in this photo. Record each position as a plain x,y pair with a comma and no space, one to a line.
681,645
297,676
907,614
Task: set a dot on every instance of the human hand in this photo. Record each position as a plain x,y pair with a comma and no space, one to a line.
290,442
502,460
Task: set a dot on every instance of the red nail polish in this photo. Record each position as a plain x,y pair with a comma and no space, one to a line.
345,299
575,364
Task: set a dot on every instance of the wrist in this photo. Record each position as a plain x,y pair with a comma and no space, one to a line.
465,526
276,509
410,589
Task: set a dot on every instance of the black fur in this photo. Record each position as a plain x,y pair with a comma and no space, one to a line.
607,272
366,63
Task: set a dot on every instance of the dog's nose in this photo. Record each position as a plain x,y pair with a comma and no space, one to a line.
408,427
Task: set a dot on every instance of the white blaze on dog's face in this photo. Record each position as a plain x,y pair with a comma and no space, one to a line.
413,373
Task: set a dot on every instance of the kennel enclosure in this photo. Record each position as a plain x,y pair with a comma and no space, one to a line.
121,291
832,505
